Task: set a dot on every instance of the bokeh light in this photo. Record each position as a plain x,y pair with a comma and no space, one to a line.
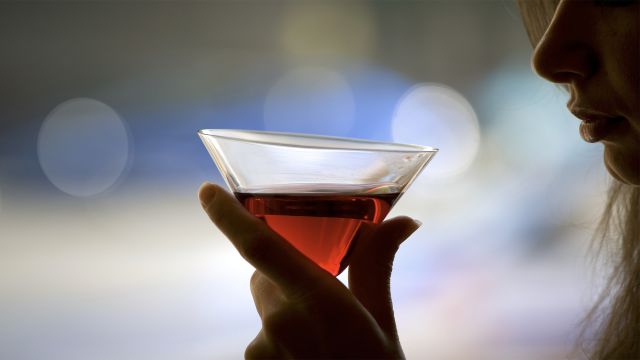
83,147
310,100
437,115
317,31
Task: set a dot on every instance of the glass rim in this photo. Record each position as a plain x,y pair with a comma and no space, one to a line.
378,146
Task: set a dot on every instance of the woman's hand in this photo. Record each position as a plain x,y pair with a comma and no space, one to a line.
306,312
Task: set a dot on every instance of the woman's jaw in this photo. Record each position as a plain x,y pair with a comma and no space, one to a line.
623,163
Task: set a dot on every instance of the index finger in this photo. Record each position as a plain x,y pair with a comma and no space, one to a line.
262,247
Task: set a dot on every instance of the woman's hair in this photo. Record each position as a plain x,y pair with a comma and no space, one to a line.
616,313
619,325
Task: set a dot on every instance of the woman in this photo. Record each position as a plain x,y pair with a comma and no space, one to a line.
592,47
589,46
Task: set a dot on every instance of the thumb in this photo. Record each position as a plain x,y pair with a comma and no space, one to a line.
370,266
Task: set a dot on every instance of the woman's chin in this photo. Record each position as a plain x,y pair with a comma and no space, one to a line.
623,167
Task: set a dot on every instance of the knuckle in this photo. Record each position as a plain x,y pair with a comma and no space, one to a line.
253,350
254,282
258,348
278,322
250,351
261,286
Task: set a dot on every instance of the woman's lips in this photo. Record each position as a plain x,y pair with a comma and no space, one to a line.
595,126
596,130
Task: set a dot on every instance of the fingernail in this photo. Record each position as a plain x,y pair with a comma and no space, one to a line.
417,222
207,193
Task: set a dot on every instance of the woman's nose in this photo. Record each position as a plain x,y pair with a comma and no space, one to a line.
564,54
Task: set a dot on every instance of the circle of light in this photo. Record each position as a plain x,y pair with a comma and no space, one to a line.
437,115
310,100
83,147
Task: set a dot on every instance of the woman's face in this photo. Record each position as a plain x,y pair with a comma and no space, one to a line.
593,47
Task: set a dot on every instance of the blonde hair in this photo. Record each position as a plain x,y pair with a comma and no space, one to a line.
617,310
616,313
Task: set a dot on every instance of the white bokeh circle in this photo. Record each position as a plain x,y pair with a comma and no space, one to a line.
437,115
310,100
83,147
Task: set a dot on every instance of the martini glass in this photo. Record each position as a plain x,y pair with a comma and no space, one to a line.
315,191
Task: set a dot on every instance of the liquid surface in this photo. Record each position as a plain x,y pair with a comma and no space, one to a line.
321,226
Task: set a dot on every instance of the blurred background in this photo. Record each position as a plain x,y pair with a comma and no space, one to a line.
106,254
